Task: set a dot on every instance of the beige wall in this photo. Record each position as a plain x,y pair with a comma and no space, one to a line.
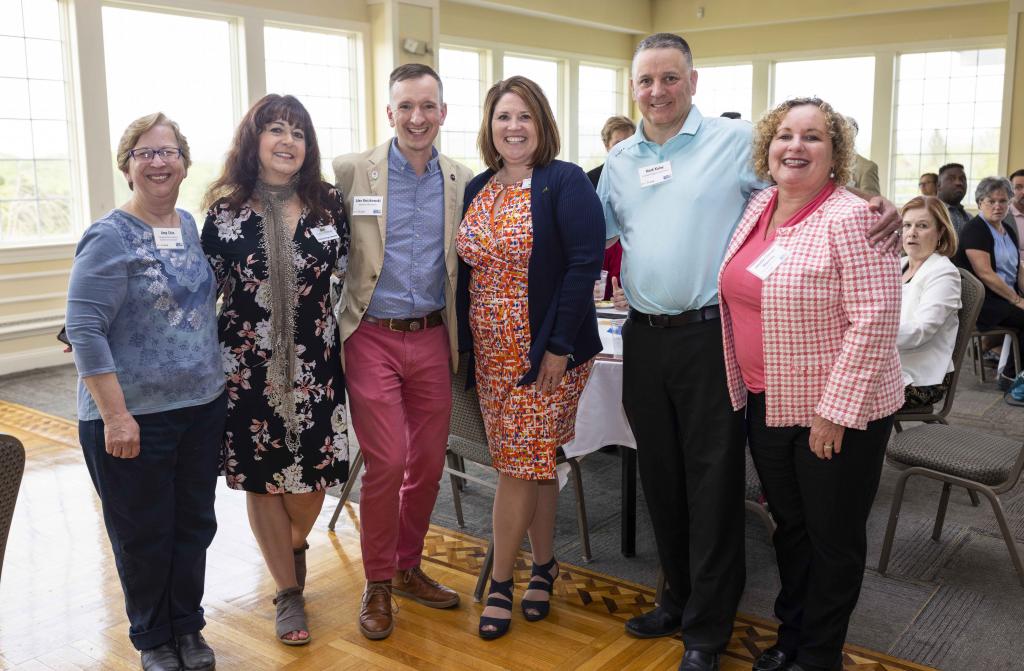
488,25
1014,111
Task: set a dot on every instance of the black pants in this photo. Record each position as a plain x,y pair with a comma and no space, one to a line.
158,510
690,456
821,507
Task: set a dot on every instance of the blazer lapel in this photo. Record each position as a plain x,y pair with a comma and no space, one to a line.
451,185
747,224
377,178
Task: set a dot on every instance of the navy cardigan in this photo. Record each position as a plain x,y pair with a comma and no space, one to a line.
568,250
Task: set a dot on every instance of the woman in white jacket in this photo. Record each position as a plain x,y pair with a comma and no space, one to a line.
931,298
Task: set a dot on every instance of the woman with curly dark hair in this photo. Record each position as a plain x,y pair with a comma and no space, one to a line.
275,234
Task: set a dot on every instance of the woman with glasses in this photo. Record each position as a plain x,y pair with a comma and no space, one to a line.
275,234
990,251
141,320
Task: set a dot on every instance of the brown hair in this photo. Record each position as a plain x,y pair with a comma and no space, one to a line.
935,207
548,143
613,125
838,128
415,71
242,165
140,127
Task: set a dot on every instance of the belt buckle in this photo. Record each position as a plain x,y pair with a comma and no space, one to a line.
652,323
414,324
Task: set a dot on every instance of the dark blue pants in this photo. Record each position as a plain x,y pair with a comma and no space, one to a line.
158,510
821,507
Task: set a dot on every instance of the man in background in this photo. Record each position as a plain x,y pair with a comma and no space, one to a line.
928,183
865,172
952,187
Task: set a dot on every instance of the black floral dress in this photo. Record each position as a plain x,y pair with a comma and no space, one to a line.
255,456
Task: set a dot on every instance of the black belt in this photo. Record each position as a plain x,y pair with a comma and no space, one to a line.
405,325
682,319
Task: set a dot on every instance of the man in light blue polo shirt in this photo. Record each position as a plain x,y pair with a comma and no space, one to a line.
673,193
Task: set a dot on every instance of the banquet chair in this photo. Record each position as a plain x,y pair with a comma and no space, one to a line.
1008,334
988,465
467,441
972,293
12,467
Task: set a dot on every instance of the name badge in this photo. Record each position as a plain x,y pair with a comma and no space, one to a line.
368,205
527,182
655,174
766,264
168,238
325,233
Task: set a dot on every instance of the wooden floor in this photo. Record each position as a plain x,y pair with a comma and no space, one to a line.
61,605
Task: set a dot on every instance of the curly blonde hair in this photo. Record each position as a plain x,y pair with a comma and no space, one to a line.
843,153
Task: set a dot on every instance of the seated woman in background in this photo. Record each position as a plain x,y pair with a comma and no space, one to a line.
931,298
990,251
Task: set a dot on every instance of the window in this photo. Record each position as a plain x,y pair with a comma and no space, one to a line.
600,96
461,71
319,69
542,71
848,84
948,109
725,88
38,194
192,84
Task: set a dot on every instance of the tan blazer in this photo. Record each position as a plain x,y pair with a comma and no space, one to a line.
366,174
865,176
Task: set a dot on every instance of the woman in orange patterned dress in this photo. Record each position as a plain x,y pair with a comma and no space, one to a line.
531,243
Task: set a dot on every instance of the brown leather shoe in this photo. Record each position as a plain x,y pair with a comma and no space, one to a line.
416,585
376,619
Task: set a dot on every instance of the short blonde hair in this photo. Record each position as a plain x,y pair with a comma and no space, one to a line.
843,152
140,127
533,97
613,125
935,207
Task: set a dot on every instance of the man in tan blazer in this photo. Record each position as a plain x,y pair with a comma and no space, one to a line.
865,171
397,321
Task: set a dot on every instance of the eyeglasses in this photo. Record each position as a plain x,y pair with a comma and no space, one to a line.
145,154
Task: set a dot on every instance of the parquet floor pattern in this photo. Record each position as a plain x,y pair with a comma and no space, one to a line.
61,605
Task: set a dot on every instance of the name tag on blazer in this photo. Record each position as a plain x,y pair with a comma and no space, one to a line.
768,262
372,206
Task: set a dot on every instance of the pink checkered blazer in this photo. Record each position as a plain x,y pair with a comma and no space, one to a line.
830,313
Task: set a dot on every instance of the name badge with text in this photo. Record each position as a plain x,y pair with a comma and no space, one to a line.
766,264
168,238
368,205
527,182
325,233
655,174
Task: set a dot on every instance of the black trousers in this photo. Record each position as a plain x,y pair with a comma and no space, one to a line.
691,463
158,510
821,507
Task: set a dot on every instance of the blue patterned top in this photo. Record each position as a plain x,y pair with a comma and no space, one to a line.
146,314
412,278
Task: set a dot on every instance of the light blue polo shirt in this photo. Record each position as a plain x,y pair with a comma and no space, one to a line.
674,234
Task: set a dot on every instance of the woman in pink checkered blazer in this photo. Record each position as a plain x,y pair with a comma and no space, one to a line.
810,313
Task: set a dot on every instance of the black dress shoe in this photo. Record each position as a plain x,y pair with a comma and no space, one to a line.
771,659
161,658
654,624
195,654
695,660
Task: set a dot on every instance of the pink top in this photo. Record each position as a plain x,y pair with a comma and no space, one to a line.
741,289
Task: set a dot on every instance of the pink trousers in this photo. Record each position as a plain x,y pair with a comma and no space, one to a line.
399,387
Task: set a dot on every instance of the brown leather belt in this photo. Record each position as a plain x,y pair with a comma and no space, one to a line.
670,321
407,325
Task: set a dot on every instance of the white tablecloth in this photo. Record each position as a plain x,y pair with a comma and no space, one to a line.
600,419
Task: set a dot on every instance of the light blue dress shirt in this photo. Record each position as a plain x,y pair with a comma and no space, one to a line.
146,314
412,279
1007,256
674,234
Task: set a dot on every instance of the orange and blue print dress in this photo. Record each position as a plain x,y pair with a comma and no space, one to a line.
524,427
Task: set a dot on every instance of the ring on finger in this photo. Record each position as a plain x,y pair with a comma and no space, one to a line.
827,446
